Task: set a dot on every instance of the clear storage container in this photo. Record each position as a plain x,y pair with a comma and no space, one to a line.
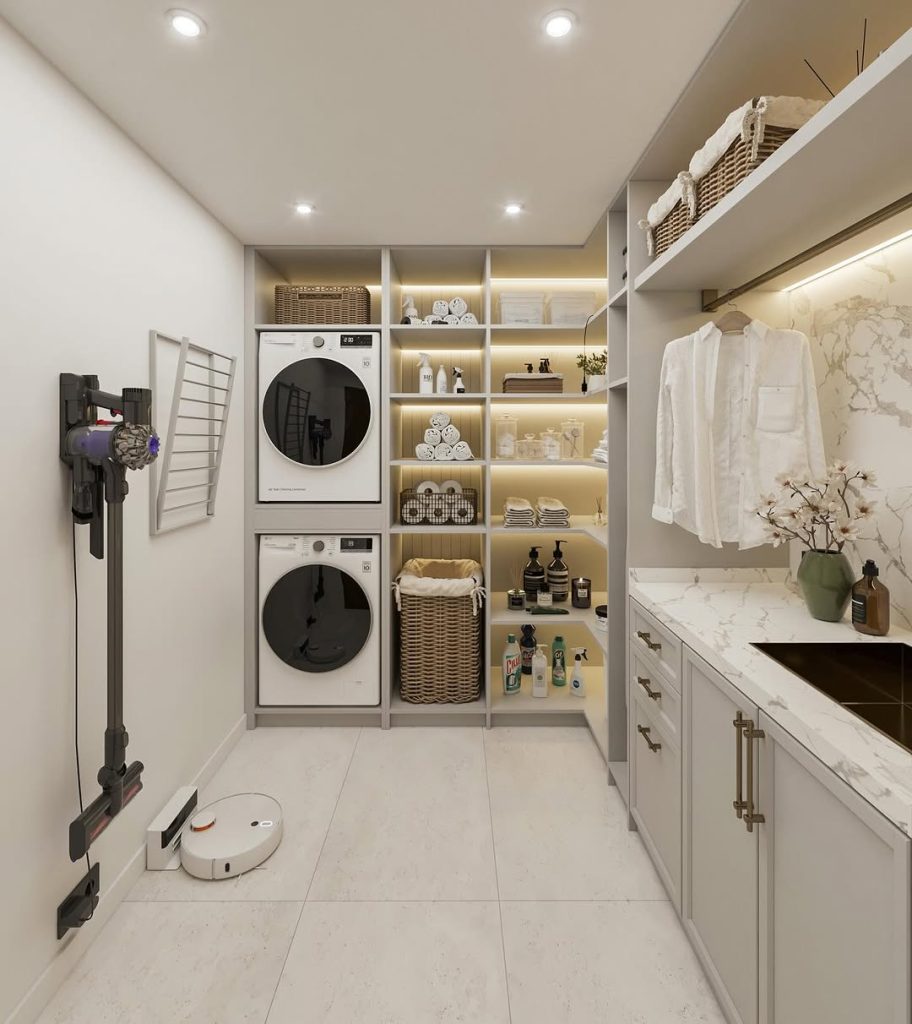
522,308
572,309
572,439
529,447
506,430
551,445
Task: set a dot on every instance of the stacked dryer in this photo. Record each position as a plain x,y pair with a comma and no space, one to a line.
319,444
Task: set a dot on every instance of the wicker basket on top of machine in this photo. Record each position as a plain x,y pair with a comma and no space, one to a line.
440,630
748,136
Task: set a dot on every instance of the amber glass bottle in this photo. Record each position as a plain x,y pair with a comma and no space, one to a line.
871,602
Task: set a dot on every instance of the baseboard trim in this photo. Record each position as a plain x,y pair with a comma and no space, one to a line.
113,894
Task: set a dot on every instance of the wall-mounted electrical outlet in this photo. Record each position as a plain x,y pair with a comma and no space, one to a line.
79,906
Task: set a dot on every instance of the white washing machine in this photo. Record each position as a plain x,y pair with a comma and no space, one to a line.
319,638
319,437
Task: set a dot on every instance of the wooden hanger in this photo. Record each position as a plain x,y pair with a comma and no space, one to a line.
732,321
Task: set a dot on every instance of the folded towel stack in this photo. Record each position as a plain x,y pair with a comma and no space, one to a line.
552,514
519,513
533,383
600,452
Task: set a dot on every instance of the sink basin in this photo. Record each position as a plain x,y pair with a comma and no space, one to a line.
872,680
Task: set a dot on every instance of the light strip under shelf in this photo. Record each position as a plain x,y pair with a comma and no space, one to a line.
848,262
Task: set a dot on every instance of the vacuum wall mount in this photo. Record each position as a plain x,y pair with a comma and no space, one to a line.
99,453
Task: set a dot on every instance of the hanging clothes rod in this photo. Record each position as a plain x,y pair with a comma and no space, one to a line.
712,300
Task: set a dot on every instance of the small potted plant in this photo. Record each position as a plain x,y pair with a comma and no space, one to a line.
823,515
594,369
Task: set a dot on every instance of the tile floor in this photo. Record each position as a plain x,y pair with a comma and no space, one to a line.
426,876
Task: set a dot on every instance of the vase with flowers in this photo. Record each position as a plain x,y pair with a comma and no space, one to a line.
823,515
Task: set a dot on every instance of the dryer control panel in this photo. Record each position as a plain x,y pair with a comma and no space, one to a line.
357,544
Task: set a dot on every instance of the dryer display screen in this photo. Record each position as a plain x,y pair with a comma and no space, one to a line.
317,618
317,412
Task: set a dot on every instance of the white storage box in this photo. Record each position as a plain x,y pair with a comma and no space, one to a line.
572,309
522,308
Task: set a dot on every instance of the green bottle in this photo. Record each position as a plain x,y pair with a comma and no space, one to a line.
558,662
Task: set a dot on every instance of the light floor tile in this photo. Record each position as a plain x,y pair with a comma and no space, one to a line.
304,770
603,963
560,832
413,821
176,963
394,963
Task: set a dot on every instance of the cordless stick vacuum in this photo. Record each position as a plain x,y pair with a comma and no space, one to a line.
99,453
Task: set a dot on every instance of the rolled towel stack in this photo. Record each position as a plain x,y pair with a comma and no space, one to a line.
552,514
518,513
454,313
443,442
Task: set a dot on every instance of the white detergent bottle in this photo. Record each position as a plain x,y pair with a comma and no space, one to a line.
425,375
442,381
577,682
539,673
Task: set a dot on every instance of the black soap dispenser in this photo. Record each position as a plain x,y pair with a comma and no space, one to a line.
558,575
533,575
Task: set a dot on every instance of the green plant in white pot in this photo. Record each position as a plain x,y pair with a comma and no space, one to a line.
595,368
823,515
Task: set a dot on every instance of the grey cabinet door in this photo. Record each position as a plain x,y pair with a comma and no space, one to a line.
720,857
834,896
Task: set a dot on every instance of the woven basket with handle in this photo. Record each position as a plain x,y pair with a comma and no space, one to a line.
321,304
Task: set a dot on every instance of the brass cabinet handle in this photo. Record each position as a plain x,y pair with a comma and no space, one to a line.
643,730
751,817
644,681
739,803
653,645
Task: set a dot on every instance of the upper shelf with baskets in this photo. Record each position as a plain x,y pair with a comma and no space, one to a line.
848,162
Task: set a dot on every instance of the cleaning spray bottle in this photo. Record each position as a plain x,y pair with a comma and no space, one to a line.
533,575
458,386
558,662
441,381
558,575
512,666
577,682
539,673
425,375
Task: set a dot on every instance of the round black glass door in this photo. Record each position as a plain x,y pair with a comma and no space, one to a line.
316,618
317,412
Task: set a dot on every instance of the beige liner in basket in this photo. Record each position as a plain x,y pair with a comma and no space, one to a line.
440,634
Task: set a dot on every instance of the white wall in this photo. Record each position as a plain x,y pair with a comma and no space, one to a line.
97,246
859,320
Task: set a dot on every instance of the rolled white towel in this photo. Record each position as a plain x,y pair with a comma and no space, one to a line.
424,452
428,487
450,434
451,319
469,320
463,511
432,436
438,513
441,308
451,487
462,452
443,453
440,420
458,306
413,512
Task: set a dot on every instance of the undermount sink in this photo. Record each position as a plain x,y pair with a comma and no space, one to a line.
872,680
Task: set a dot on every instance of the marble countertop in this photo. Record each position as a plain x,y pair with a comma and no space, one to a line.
719,613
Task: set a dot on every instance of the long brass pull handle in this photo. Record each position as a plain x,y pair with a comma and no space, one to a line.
738,803
643,730
653,645
644,681
751,817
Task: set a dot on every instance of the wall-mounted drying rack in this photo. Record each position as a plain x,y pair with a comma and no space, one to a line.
712,300
185,479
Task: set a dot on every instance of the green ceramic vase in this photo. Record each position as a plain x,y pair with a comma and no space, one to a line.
826,580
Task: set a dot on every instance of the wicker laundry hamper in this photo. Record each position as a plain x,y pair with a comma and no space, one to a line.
440,636
321,304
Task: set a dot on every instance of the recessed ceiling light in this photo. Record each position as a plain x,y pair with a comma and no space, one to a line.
513,209
186,23
305,209
559,23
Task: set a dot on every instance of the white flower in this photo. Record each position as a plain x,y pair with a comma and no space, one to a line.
868,476
777,537
786,479
839,467
846,531
864,509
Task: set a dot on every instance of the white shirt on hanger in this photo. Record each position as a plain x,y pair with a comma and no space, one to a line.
735,411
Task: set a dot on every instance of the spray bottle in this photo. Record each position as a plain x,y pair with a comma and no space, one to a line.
577,682
425,375
539,673
441,381
458,386
512,665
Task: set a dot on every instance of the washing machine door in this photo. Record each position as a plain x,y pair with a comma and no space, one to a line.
317,618
317,412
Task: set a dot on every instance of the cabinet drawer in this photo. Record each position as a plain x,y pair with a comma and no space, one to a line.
655,795
655,643
658,694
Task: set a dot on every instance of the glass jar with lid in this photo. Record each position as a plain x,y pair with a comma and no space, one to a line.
572,439
529,447
551,445
506,430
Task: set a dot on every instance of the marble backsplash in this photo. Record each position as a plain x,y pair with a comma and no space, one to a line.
859,321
